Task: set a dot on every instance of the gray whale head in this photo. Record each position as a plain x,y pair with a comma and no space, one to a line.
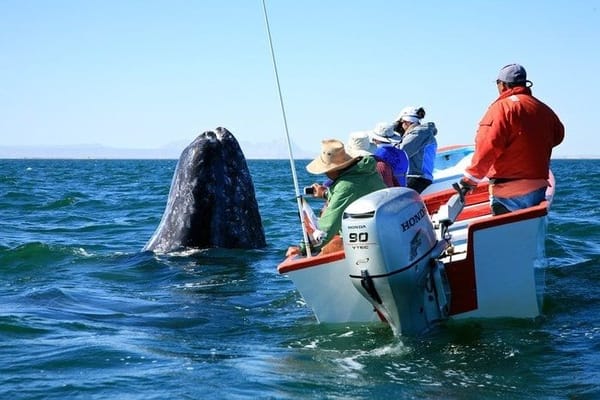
211,202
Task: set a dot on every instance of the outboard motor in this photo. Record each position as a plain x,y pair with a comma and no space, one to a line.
392,250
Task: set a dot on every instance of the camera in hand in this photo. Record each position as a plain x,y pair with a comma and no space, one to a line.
309,190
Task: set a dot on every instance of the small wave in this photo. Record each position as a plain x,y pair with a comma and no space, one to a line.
60,203
573,290
11,325
397,348
36,254
218,255
203,285
10,180
182,253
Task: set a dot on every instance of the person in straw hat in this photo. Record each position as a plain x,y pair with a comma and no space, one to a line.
352,178
359,144
418,140
384,137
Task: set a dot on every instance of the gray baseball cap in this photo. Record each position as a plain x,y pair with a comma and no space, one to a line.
513,73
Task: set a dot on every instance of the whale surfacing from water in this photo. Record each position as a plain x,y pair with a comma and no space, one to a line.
211,202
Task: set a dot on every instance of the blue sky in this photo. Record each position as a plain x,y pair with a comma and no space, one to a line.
143,74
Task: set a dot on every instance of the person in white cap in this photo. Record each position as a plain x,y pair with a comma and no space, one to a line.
513,145
353,177
419,143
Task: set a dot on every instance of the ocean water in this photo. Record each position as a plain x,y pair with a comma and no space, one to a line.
85,314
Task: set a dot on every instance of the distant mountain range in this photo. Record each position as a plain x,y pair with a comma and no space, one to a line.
270,150
258,151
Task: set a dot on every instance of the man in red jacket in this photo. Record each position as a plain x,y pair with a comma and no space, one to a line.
513,145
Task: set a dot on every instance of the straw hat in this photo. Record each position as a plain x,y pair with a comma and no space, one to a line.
359,144
332,157
385,133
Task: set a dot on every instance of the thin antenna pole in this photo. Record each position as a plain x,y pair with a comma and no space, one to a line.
287,134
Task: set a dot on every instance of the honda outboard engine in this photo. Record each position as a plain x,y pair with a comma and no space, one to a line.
392,250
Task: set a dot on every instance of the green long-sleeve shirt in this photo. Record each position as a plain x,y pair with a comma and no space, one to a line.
360,179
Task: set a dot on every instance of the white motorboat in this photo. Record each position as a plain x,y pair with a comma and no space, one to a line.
415,261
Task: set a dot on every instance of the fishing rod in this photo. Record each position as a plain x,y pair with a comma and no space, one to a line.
287,135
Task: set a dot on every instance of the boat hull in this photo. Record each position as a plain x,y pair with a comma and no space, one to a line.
324,284
493,268
502,274
497,270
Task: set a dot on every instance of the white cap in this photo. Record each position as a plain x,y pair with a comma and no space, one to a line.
384,132
359,144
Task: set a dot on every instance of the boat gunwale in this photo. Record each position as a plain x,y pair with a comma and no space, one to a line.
295,263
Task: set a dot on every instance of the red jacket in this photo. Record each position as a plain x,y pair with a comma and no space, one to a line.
515,138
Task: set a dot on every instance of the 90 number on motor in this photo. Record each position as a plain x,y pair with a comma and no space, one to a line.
358,237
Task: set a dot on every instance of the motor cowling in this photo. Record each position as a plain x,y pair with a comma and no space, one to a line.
391,247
